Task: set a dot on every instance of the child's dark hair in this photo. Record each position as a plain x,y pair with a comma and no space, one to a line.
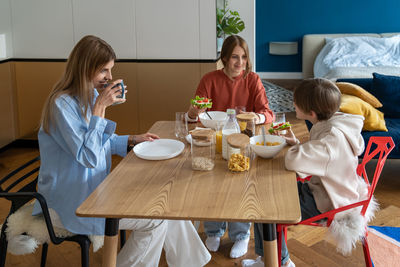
319,95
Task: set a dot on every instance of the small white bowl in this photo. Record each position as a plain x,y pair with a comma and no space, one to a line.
267,151
218,117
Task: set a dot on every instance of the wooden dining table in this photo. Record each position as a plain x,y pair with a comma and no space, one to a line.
170,189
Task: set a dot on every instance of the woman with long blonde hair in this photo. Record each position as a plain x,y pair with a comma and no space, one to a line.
76,142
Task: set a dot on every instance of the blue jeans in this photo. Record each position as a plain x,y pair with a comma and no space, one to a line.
308,210
236,230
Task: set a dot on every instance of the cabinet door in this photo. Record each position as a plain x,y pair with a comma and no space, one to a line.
165,88
34,81
167,29
42,28
208,31
113,21
7,116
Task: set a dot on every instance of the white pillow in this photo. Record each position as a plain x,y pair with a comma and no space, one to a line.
357,51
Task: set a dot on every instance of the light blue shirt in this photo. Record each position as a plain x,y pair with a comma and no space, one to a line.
75,159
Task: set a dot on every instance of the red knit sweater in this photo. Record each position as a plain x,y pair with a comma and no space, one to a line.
226,93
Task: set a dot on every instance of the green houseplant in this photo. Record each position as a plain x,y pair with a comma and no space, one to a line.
228,22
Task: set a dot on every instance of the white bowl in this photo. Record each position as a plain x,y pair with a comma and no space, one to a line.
267,151
218,117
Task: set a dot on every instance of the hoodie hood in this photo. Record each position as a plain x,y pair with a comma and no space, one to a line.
348,124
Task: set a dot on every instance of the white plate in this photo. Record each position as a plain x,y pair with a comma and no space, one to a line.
159,149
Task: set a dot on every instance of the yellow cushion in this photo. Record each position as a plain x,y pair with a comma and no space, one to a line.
354,89
374,120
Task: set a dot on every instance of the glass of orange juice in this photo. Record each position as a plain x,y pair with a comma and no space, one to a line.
218,138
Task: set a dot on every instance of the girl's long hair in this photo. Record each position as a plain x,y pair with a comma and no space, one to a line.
227,48
89,55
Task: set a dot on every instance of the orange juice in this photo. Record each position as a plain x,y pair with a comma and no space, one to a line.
218,141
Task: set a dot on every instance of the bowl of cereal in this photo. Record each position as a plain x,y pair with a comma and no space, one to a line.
217,118
274,145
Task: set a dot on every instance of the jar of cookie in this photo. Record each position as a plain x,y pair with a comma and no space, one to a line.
238,152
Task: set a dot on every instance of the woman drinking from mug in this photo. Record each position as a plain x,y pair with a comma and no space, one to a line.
76,142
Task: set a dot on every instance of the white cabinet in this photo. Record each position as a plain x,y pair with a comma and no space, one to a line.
42,28
167,29
208,32
5,30
136,29
113,21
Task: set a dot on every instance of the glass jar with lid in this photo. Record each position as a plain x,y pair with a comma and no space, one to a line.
203,149
247,123
238,152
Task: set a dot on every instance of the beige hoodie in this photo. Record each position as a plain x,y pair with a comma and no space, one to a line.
331,157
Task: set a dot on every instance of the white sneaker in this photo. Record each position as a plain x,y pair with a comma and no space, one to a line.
259,263
253,263
289,263
212,243
239,248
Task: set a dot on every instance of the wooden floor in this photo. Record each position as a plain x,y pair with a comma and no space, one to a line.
306,245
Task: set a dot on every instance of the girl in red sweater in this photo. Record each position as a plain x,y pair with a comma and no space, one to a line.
234,85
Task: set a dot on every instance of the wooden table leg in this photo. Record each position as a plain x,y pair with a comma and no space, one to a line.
110,242
270,245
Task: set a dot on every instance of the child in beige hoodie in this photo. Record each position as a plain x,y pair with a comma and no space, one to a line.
330,156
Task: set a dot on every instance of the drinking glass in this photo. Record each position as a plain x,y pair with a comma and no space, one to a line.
218,138
181,129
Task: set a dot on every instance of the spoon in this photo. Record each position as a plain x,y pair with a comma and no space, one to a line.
208,115
263,135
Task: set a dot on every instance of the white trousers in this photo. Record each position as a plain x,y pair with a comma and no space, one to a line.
183,246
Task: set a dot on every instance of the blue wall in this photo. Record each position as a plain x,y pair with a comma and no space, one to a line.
289,20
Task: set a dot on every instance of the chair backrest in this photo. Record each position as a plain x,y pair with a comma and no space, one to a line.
22,179
379,146
19,186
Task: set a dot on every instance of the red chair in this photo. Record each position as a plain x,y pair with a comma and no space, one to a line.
384,144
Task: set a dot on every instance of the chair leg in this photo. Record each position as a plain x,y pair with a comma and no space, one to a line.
279,230
85,245
122,236
3,249
45,247
367,256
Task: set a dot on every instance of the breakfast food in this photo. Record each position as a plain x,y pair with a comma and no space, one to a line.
268,143
238,163
280,127
201,102
202,164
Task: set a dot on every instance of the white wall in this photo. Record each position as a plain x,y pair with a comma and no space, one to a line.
208,29
142,29
113,21
246,9
42,28
167,29
6,50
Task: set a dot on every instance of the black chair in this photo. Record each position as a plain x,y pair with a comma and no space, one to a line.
20,187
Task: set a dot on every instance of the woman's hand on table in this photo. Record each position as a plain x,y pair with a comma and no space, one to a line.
136,139
194,111
107,97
